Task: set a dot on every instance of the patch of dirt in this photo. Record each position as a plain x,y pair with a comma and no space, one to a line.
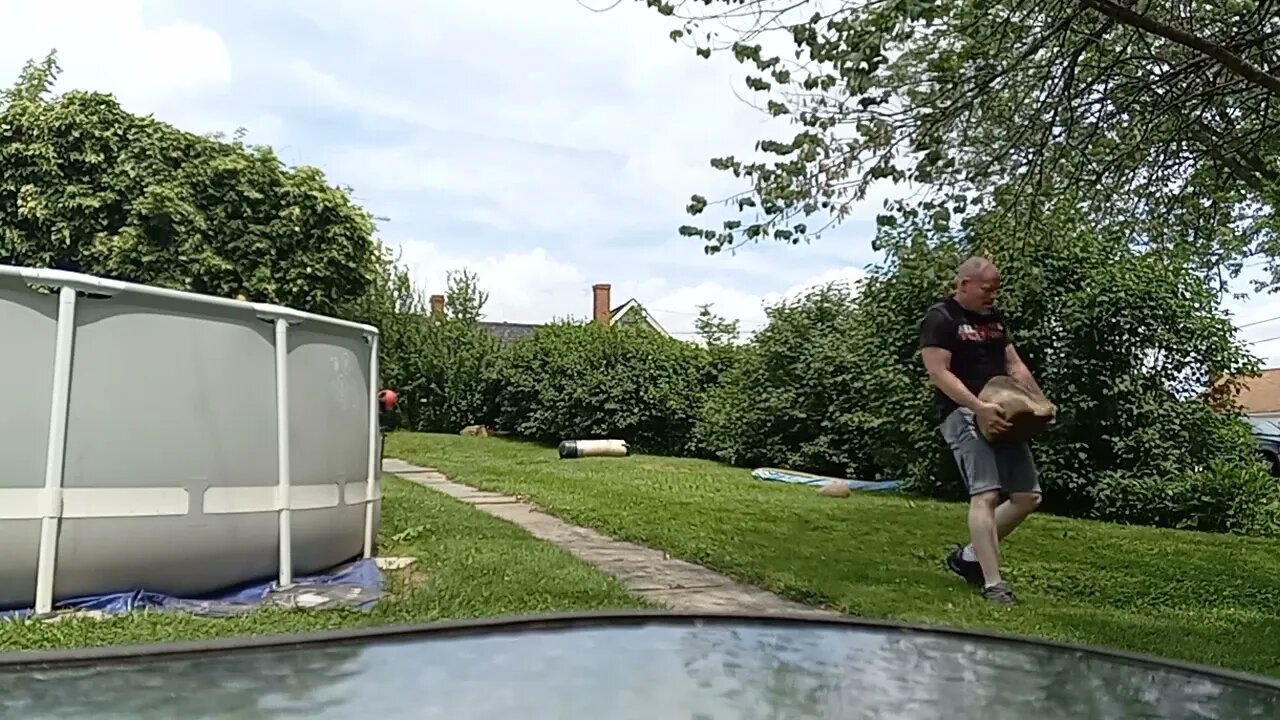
413,577
403,580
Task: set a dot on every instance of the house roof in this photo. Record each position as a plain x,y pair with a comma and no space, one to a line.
508,333
633,306
1260,394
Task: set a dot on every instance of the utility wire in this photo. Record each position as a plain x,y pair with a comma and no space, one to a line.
1258,322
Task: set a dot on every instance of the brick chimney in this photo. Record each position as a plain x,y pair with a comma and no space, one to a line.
437,306
600,303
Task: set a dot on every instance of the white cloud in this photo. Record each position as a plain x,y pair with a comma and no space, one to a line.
569,120
673,309
123,47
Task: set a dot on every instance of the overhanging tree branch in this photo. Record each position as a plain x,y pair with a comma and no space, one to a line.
1229,60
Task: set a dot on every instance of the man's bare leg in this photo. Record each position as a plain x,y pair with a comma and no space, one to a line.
983,534
1011,512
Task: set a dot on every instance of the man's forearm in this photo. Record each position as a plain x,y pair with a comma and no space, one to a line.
1021,373
948,383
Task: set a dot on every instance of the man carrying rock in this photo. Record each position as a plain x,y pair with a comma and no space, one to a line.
964,343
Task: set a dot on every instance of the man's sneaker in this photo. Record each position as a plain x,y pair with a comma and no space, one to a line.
970,570
999,593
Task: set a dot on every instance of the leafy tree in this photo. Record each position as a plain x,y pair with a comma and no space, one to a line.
453,386
714,330
722,339
464,300
87,186
1162,113
397,308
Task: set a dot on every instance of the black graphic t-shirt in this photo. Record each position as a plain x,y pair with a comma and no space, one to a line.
977,343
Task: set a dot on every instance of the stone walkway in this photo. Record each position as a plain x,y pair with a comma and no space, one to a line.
675,584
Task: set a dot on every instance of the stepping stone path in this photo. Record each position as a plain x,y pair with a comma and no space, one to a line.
676,584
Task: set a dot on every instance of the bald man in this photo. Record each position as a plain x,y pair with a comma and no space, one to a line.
964,343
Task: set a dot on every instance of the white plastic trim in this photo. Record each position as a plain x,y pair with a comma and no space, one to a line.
357,493
96,503
266,498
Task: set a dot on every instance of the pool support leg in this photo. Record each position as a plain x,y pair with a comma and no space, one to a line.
51,502
375,462
283,494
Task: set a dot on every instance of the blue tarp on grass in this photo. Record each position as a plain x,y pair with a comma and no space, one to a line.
355,585
800,478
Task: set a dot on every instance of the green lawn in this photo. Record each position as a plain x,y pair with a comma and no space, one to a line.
1206,598
469,565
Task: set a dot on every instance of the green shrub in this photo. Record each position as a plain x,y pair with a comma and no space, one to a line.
792,397
1225,497
452,384
581,381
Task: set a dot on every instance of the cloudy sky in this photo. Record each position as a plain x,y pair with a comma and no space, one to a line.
545,146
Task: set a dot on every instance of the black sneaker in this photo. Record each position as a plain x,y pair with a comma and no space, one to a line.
999,594
970,570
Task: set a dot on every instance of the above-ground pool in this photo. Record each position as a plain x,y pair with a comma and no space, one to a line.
627,666
177,443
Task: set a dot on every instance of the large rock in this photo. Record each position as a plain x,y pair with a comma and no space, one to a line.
1028,412
835,488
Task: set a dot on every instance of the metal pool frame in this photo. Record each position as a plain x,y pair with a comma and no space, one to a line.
49,503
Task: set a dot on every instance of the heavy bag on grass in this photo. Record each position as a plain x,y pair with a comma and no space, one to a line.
593,448
1028,412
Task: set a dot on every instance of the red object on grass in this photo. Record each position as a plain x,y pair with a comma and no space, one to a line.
387,398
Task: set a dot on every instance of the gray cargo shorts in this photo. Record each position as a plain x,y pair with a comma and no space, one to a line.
1007,467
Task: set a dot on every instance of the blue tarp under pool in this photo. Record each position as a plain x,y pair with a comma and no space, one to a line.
356,585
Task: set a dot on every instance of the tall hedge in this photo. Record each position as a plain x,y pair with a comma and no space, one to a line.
795,396
583,381
453,385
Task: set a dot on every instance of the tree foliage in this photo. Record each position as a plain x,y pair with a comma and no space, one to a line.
88,186
716,330
464,298
1163,113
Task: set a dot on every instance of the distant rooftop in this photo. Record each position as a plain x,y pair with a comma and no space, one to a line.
508,333
1261,394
